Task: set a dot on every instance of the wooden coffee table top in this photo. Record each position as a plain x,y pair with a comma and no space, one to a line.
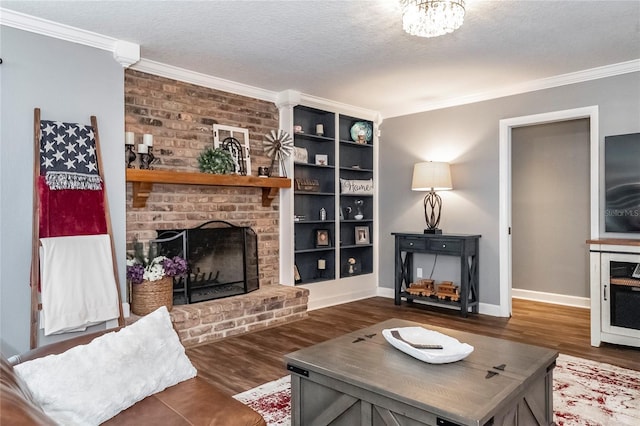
459,390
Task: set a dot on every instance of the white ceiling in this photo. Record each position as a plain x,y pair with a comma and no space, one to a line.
355,52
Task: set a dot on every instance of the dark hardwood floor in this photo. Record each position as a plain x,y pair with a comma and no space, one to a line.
239,363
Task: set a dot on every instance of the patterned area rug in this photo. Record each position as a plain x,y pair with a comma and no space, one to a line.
272,400
590,393
585,393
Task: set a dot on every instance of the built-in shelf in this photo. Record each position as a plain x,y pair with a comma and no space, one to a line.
143,180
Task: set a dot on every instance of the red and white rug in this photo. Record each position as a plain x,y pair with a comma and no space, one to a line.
272,400
590,393
585,393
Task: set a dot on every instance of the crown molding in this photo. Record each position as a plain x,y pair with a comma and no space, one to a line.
285,98
516,89
205,80
342,108
124,52
48,28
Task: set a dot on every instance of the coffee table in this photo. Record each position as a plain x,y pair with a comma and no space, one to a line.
360,379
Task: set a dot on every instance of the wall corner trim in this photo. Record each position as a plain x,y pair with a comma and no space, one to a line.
288,98
123,51
126,53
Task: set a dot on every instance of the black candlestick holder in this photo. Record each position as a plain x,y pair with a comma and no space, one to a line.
152,158
130,155
144,161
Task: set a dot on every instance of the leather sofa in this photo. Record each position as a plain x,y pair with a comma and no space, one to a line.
191,402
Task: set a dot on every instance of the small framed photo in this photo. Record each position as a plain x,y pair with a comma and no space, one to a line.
362,235
322,238
322,159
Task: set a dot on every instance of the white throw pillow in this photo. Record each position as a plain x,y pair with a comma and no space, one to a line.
89,384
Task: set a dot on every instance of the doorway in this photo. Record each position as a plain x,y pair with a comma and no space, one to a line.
505,189
550,212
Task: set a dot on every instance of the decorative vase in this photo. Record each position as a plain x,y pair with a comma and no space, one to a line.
148,296
359,214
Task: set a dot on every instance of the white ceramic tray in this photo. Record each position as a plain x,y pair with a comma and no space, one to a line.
452,350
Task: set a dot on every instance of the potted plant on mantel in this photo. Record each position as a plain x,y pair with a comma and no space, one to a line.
151,281
217,161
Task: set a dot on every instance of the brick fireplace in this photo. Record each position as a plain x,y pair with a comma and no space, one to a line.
180,116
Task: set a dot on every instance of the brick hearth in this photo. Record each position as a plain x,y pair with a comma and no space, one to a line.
216,319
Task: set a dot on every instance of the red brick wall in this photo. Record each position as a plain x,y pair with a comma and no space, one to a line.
180,116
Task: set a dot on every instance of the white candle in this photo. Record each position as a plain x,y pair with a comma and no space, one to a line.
147,139
128,138
322,264
319,129
143,149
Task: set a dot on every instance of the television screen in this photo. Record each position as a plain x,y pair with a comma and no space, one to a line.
622,183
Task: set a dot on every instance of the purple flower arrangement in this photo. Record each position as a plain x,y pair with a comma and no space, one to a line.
174,266
158,268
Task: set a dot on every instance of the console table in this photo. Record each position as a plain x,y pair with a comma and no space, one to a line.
463,246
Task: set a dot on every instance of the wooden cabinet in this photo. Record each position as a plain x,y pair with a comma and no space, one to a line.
615,291
321,162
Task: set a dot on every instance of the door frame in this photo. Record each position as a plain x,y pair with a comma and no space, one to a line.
504,192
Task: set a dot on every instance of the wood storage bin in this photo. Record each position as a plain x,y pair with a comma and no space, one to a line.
148,296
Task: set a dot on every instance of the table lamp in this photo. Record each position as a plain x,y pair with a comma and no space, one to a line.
432,176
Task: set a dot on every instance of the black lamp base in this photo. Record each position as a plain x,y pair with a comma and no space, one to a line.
433,231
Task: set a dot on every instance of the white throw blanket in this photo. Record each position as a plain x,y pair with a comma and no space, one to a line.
78,285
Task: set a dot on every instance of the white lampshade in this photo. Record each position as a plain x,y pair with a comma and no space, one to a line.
431,175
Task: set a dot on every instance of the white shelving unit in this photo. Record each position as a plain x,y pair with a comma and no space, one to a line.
337,283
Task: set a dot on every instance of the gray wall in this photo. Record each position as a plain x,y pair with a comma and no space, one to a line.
69,82
550,207
467,136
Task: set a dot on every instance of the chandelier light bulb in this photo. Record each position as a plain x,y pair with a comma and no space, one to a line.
431,18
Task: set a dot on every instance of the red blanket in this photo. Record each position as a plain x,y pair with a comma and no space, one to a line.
69,212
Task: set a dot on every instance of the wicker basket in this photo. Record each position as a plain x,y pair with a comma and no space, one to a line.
148,296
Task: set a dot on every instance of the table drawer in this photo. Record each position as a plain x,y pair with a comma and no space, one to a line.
442,245
409,243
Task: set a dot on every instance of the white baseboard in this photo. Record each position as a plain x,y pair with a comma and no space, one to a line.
489,309
324,302
556,299
385,292
126,309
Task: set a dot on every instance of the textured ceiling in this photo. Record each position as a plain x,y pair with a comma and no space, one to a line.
355,52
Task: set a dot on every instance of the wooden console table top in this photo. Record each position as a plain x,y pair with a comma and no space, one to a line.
616,242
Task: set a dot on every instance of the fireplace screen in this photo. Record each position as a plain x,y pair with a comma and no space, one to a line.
222,259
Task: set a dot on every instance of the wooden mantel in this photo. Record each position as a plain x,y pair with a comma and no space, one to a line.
143,181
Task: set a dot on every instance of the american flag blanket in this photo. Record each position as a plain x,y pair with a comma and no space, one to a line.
68,156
